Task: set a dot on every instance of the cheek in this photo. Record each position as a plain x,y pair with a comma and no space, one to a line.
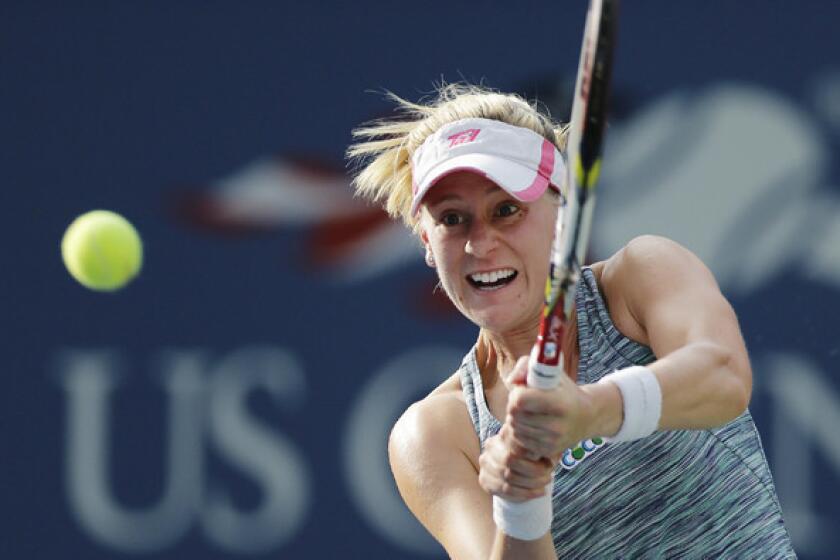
542,238
449,276
446,265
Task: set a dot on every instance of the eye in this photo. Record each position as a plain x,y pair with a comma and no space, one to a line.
451,219
507,209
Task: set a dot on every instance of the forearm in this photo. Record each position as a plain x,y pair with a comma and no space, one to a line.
509,548
703,386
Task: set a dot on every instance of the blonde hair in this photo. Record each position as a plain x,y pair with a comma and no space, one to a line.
382,154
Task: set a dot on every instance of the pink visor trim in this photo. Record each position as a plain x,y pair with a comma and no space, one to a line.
541,181
518,160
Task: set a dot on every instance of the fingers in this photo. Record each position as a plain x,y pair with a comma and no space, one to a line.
495,484
498,487
536,425
536,437
537,449
524,400
503,473
502,457
544,423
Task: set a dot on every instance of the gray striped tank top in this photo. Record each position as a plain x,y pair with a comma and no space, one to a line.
678,494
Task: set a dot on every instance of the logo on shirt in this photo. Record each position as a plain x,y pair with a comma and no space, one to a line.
575,456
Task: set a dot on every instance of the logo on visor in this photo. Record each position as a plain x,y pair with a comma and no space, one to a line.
463,137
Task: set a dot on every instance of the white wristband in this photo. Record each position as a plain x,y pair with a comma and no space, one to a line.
526,521
642,398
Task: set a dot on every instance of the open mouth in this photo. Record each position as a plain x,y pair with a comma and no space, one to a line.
494,280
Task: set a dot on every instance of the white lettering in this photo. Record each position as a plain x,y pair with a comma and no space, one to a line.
267,457
89,378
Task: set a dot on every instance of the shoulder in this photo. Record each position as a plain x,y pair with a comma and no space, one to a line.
649,271
438,424
433,451
651,265
652,253
669,292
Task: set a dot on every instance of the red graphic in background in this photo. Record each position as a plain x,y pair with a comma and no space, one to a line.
342,236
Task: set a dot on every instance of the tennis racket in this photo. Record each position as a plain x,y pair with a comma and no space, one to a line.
583,152
574,218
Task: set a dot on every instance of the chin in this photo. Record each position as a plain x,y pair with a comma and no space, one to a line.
498,321
500,311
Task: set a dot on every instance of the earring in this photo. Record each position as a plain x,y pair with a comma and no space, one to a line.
430,259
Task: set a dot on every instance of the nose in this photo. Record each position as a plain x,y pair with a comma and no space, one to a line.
482,240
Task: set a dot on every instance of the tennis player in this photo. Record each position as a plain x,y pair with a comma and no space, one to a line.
647,448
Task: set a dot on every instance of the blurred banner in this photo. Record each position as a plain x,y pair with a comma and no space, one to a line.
235,400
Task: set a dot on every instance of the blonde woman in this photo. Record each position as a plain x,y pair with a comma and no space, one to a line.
647,448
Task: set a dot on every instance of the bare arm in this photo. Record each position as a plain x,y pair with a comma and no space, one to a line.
702,367
676,308
433,452
672,303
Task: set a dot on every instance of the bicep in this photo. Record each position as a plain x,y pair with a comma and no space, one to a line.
439,484
677,301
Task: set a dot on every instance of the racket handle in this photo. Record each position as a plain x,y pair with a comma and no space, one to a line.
530,520
543,376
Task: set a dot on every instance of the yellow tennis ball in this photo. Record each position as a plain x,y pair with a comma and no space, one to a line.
102,250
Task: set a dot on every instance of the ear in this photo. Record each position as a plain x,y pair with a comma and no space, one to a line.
430,258
424,237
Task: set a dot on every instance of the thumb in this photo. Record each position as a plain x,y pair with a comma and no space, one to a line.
519,374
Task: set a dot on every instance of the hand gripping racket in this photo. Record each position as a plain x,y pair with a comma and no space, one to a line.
571,235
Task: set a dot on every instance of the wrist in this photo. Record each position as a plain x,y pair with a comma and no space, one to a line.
605,409
641,397
526,521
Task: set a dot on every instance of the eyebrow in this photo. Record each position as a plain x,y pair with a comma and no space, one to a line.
444,198
489,189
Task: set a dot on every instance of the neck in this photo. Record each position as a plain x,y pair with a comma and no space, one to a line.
496,354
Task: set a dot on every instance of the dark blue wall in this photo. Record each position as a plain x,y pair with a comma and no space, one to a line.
279,327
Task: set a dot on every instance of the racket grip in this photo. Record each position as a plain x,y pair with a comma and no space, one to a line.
543,376
528,521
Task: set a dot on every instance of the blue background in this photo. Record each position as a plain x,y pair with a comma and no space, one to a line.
152,109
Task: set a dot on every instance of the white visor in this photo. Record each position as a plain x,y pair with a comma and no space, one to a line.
517,159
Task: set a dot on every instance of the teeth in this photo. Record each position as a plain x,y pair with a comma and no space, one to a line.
490,277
